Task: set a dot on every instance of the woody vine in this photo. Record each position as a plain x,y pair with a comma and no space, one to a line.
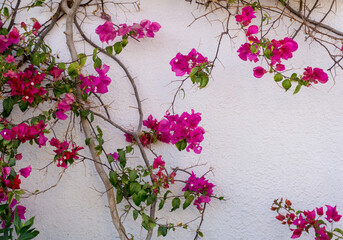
31,76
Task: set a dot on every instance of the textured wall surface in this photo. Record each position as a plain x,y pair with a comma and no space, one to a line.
261,142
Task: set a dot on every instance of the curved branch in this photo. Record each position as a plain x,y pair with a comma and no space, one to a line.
71,12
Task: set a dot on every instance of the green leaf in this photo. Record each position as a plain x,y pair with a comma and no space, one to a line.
136,199
23,105
119,196
204,81
135,187
297,89
176,203
83,58
160,206
181,145
20,52
84,113
73,69
88,141
133,175
286,84
166,194
338,230
278,77
194,71
268,53
142,195
118,47
97,63
109,50
110,158
8,106
294,76
124,42
188,202
35,59
113,177
162,230
6,12
16,221
95,52
135,214
61,66
201,234
128,149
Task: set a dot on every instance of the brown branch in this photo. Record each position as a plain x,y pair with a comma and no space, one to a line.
71,12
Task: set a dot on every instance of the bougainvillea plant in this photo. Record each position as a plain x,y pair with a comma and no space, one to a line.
318,221
32,81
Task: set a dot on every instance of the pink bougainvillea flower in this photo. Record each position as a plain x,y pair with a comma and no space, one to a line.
56,73
115,155
14,36
18,156
23,25
315,75
259,72
280,67
21,212
247,15
253,29
6,171
41,140
69,98
104,80
36,26
25,172
182,64
10,59
61,115
320,211
201,187
106,32
96,84
158,162
245,53
332,214
6,134
297,233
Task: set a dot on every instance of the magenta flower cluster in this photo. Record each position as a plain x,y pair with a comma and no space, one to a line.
11,38
65,106
108,32
24,132
14,205
201,187
304,220
182,64
175,128
274,51
160,179
96,84
63,156
26,84
247,15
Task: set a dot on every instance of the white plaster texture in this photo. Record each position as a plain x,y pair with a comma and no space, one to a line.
261,142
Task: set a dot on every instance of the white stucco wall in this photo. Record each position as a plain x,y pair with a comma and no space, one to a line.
261,142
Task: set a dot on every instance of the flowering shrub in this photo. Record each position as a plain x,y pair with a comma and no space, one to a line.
300,221
31,79
194,64
273,52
